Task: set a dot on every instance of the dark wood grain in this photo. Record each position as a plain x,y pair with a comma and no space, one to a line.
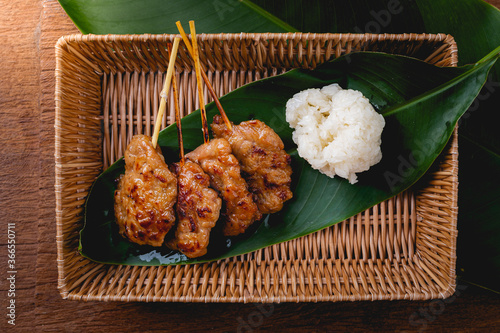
28,32
19,149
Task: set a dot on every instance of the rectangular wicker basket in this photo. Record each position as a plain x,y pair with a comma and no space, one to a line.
107,90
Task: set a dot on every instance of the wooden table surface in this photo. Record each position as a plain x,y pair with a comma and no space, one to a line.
28,32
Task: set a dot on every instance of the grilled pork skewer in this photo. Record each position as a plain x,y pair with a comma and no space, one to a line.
147,192
216,159
198,205
198,208
264,163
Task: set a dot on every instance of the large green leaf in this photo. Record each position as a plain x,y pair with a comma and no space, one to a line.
479,258
421,104
159,16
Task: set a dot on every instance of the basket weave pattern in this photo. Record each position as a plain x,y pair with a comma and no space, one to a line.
107,90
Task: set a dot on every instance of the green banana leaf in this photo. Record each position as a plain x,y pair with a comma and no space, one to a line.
482,264
420,102
159,16
474,24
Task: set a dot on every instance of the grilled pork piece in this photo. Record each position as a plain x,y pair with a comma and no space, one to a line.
198,209
239,211
264,163
146,194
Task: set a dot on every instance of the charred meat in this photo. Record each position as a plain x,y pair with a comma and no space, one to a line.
146,194
198,208
264,163
216,159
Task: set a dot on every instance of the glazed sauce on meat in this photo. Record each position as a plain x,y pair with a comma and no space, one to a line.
146,194
216,159
198,209
264,163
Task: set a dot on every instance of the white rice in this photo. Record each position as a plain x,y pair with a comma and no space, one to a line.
337,131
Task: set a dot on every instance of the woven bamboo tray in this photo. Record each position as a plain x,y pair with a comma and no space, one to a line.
107,90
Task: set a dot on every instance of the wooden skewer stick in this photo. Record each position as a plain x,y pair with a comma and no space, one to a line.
178,120
205,78
196,58
164,92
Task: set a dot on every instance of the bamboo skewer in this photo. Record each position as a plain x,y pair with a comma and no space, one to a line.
204,76
178,120
196,58
164,92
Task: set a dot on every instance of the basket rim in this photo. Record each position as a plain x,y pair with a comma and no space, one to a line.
403,37
445,38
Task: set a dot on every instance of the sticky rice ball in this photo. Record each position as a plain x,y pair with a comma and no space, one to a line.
336,130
